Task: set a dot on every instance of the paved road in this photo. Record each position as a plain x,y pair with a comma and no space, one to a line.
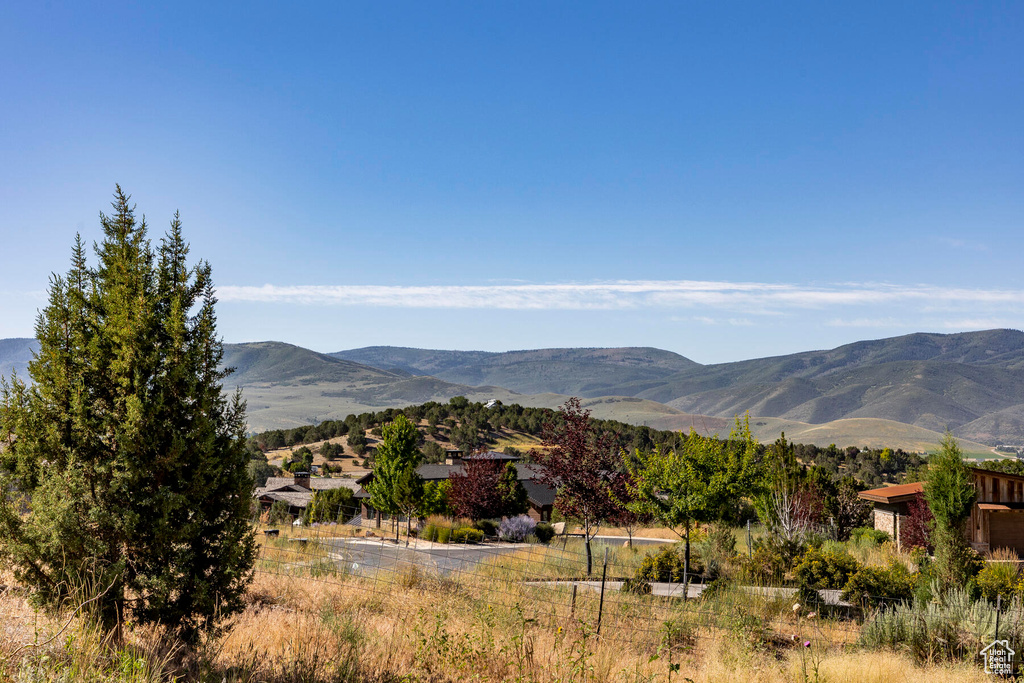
368,557
675,590
617,541
364,556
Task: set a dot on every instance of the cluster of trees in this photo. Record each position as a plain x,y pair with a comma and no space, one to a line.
301,461
873,466
483,490
471,426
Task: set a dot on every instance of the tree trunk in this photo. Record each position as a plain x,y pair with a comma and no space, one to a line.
686,563
590,557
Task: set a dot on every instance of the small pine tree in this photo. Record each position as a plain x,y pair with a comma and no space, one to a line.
130,463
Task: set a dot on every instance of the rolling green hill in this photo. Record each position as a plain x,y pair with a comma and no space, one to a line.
968,382
577,372
902,391
15,355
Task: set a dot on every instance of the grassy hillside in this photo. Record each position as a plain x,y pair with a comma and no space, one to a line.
861,432
972,383
15,355
932,381
579,372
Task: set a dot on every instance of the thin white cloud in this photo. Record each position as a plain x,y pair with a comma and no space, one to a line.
753,298
865,322
957,243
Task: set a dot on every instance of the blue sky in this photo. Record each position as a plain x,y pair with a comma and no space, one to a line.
725,180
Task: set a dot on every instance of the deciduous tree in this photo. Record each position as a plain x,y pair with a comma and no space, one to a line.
579,464
474,491
695,482
396,488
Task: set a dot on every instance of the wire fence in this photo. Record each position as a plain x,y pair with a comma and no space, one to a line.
550,583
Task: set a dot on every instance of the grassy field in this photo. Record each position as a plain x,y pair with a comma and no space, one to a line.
301,625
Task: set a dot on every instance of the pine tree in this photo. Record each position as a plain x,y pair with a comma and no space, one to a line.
124,452
950,493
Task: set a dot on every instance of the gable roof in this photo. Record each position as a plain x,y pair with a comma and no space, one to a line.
315,484
493,455
539,494
294,499
894,494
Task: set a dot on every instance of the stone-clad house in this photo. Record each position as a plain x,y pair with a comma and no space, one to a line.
297,491
997,518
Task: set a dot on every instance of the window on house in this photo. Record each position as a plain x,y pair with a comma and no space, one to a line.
995,490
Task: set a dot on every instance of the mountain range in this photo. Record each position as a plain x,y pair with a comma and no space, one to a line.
905,389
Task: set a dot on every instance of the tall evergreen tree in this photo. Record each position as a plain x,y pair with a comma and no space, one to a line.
124,453
950,493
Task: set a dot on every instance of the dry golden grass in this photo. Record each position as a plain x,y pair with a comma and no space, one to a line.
420,627
644,532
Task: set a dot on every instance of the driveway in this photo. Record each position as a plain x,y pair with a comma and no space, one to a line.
367,557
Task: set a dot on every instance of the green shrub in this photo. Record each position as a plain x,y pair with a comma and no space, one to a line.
865,535
488,526
544,532
998,579
443,534
279,513
766,566
825,569
876,585
715,588
429,533
665,566
946,626
716,549
467,534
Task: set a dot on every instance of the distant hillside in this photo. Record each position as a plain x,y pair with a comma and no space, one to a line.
577,372
971,382
911,388
288,385
280,363
15,355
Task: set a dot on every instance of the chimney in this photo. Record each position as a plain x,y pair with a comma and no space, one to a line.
302,479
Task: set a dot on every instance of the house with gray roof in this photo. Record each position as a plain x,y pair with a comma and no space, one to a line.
541,497
297,491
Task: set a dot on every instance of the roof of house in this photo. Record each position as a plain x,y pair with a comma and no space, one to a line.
904,492
996,473
493,455
539,494
315,484
893,494
285,489
528,473
294,499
